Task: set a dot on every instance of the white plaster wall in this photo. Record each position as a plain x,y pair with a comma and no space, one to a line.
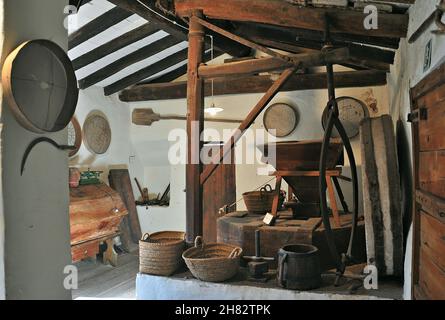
36,221
406,73
152,145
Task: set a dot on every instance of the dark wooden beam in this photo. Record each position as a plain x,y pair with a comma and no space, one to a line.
247,122
146,72
180,71
254,84
297,35
136,56
111,46
255,66
195,127
96,26
283,13
178,27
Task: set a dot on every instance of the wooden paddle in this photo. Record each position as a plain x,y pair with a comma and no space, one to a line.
146,117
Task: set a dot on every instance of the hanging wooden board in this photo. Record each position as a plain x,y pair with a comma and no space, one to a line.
120,181
40,86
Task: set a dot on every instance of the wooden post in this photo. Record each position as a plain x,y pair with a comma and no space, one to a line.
195,123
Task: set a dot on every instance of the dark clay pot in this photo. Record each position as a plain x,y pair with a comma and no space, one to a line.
299,267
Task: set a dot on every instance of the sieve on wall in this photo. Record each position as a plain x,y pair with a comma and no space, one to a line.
40,86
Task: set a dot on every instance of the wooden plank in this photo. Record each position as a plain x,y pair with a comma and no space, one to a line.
432,129
432,172
254,84
177,27
128,60
432,239
286,14
180,71
146,72
120,181
111,46
261,32
432,81
218,191
432,205
195,127
255,66
431,277
253,114
96,26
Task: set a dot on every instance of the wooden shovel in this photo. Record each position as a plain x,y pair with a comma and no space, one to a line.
146,117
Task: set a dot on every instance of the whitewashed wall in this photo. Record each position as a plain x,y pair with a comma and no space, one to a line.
36,220
405,74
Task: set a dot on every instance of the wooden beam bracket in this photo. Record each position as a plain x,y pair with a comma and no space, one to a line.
260,106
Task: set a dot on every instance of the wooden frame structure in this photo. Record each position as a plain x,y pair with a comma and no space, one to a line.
195,176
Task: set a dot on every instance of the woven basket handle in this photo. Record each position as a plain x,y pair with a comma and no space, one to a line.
145,237
235,253
199,243
265,190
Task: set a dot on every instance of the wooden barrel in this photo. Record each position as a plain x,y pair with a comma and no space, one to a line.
299,267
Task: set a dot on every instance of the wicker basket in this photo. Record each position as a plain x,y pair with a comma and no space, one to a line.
213,262
260,202
160,253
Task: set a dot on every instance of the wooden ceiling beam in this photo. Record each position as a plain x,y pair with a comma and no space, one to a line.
177,27
124,40
146,72
255,66
122,63
253,84
96,26
295,35
283,13
182,70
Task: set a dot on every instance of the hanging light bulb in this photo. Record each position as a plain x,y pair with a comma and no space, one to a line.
213,109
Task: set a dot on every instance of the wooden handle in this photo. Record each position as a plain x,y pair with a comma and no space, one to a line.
199,243
145,237
235,253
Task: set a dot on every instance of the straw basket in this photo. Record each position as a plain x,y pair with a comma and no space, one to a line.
213,262
160,253
260,202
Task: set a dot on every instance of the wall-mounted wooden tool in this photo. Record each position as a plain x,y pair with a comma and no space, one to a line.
146,117
145,199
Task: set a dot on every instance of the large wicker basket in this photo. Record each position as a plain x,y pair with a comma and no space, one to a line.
260,202
213,262
160,253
